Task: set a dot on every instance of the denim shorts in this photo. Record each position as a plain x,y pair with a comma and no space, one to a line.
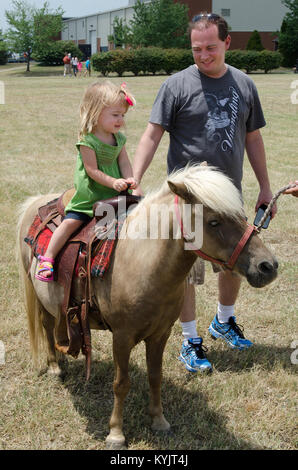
77,216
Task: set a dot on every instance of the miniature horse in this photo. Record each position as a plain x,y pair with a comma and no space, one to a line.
142,292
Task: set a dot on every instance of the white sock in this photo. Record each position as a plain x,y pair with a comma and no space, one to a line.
224,312
189,329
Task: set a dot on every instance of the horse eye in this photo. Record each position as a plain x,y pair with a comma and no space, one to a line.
213,223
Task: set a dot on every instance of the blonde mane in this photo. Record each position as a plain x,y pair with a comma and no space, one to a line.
210,187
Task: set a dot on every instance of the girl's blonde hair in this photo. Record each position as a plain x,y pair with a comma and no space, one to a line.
98,96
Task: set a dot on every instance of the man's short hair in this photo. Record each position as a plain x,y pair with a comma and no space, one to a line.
204,20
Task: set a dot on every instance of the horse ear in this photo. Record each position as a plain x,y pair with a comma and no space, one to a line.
181,190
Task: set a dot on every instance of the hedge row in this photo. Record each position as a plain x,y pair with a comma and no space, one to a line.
154,59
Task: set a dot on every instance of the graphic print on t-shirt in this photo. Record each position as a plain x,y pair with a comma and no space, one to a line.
222,118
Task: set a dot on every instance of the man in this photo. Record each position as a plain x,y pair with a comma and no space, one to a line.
212,113
66,61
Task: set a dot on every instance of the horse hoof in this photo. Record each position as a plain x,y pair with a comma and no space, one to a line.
54,370
113,444
160,424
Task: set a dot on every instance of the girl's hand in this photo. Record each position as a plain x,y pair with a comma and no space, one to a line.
120,184
132,182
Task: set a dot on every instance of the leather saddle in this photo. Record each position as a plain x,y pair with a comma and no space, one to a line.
76,254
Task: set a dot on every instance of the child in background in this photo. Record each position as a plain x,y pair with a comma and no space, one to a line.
103,168
79,68
88,67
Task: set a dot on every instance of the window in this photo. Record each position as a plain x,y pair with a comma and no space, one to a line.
225,12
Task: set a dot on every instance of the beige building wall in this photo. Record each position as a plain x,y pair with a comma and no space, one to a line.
94,29
247,15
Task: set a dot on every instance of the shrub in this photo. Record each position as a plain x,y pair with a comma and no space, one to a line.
249,61
155,59
268,60
3,53
119,61
54,52
235,58
177,59
101,62
255,42
150,59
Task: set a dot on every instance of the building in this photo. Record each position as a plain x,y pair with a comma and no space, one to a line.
91,33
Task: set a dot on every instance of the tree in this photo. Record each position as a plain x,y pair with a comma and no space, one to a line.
31,28
161,23
288,36
255,42
121,33
3,50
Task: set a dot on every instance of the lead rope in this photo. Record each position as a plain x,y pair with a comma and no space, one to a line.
272,202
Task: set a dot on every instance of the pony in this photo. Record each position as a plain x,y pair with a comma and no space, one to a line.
142,292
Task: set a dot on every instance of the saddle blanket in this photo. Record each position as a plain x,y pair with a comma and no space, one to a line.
100,260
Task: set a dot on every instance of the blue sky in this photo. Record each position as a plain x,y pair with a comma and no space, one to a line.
71,7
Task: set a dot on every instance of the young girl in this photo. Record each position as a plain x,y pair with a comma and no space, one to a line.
103,168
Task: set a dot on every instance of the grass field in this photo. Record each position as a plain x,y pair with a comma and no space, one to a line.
249,402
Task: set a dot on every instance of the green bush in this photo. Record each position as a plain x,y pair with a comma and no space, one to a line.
149,59
268,60
255,42
254,60
119,61
235,58
101,62
3,53
176,59
54,52
250,61
154,59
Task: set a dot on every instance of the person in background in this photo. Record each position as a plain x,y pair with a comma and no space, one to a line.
74,63
66,62
88,67
80,65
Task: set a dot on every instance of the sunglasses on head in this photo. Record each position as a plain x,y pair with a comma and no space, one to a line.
207,16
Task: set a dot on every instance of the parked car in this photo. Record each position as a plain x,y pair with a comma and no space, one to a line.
16,58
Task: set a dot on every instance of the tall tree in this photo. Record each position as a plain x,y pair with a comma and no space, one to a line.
288,36
255,42
30,28
161,23
121,32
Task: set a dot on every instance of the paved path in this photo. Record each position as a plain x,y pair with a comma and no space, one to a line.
14,68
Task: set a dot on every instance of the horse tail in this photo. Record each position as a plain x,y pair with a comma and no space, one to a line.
32,304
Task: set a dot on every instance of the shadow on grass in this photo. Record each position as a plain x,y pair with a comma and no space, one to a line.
194,425
267,357
41,73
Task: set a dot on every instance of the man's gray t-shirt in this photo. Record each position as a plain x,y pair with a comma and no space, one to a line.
208,118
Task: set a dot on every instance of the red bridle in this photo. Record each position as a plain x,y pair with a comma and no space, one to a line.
234,256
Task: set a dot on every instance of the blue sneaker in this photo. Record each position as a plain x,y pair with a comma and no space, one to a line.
193,356
230,332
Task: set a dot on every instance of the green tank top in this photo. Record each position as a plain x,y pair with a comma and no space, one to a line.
89,191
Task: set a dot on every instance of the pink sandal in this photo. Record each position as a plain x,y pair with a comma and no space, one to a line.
45,264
